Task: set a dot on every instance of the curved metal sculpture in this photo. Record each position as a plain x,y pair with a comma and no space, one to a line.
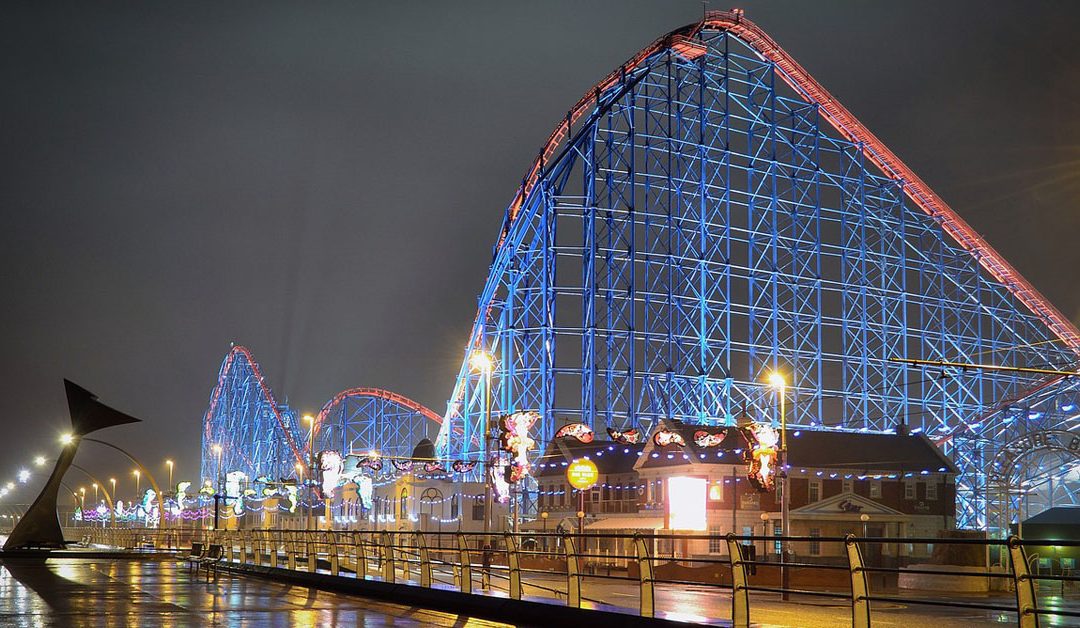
39,527
709,213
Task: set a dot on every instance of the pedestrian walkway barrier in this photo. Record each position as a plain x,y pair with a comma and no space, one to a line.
573,570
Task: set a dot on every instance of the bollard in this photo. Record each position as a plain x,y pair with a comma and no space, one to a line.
740,596
1026,602
860,606
647,605
573,572
512,563
465,568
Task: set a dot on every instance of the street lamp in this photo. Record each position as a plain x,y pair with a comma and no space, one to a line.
776,379
137,476
112,481
24,476
310,420
764,532
169,463
95,494
67,439
544,518
482,363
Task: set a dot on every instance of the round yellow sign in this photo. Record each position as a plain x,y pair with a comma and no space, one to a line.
582,474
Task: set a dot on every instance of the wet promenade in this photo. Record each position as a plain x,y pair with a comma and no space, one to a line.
162,592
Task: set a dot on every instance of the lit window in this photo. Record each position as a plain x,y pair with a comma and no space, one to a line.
716,492
815,491
849,486
875,489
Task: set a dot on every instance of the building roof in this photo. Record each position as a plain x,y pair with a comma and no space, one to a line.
610,457
1058,515
817,449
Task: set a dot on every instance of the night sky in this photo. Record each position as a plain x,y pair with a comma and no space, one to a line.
323,183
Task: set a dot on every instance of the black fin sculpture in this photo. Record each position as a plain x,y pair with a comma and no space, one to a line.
40,525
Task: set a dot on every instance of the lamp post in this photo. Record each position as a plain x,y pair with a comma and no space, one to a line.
544,518
482,363
216,448
777,380
169,463
764,532
138,476
310,420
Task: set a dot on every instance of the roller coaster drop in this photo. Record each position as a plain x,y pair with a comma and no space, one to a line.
705,215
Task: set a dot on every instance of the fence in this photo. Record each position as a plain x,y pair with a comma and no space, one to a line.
556,567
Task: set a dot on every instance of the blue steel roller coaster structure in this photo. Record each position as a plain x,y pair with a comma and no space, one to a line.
708,214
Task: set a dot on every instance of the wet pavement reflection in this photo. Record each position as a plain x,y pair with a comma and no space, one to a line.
163,592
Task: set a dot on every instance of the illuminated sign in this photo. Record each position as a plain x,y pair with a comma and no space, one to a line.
582,474
579,431
686,503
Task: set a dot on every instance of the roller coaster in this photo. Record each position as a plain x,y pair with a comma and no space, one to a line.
706,215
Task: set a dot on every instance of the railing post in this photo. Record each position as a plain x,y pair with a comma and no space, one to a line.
361,557
335,561
389,574
512,562
647,606
573,572
1026,603
312,551
245,537
860,590
465,568
290,551
425,560
740,596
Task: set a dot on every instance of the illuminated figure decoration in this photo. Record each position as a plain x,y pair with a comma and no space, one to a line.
663,438
207,489
102,510
181,495
705,439
463,466
579,431
497,475
371,462
402,465
148,507
233,495
434,467
625,437
291,492
331,467
761,455
77,515
364,490
515,440
119,509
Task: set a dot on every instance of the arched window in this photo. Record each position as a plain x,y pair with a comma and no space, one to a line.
403,511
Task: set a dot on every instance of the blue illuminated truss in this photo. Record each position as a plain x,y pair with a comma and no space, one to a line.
707,215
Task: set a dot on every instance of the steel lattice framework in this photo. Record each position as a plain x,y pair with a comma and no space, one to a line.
359,420
255,434
262,438
707,214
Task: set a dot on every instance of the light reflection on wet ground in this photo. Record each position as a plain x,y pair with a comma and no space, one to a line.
123,592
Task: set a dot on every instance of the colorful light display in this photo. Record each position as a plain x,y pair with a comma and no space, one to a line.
515,440
626,437
761,455
330,471
582,474
579,431
663,438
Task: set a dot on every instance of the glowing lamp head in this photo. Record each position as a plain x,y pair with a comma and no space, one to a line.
481,362
777,380
310,420
10,486
24,476
216,449
764,516
168,463
67,439
40,461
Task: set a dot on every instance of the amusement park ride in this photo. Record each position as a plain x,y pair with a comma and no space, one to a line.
705,215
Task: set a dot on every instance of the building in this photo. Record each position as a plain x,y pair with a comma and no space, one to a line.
885,485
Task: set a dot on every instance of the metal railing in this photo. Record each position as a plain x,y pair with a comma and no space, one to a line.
557,568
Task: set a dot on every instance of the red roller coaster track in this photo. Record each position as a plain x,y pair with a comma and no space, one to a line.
846,124
377,393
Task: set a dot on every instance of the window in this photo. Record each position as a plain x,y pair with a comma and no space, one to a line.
404,512
594,495
848,487
875,489
778,545
455,506
716,492
815,491
815,545
909,490
716,541
478,510
931,491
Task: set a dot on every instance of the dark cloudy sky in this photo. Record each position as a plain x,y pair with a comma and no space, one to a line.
323,182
